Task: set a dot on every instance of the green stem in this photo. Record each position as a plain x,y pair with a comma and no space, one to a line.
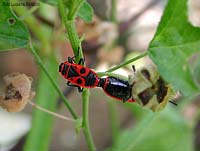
127,62
61,8
114,11
74,38
71,31
76,45
114,121
39,61
77,5
85,124
101,74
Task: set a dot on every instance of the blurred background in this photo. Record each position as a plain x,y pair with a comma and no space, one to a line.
108,40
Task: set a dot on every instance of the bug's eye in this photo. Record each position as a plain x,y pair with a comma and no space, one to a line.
60,67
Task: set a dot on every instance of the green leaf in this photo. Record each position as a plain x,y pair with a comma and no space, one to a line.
13,32
86,12
40,135
51,2
161,131
175,41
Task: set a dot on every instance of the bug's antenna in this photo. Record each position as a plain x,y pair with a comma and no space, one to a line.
133,67
173,103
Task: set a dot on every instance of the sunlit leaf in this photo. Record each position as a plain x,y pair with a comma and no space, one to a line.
175,41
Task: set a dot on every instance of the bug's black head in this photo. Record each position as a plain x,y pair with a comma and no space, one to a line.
61,67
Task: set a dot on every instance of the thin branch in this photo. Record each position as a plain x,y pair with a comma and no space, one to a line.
114,11
101,74
50,112
85,124
127,62
114,121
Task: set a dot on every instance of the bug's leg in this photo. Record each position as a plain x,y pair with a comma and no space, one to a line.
68,84
71,85
71,60
80,89
173,103
76,54
81,61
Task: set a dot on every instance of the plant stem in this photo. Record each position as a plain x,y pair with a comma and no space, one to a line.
74,38
39,61
77,5
50,112
114,121
85,124
101,74
71,31
76,45
114,11
127,62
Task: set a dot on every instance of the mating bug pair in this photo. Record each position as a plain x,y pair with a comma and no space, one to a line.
146,87
83,77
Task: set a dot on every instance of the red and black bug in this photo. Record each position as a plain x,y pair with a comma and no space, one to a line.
80,76
83,77
117,88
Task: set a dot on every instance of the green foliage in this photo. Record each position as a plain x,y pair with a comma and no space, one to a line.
157,131
15,35
40,134
86,12
171,49
13,32
175,41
